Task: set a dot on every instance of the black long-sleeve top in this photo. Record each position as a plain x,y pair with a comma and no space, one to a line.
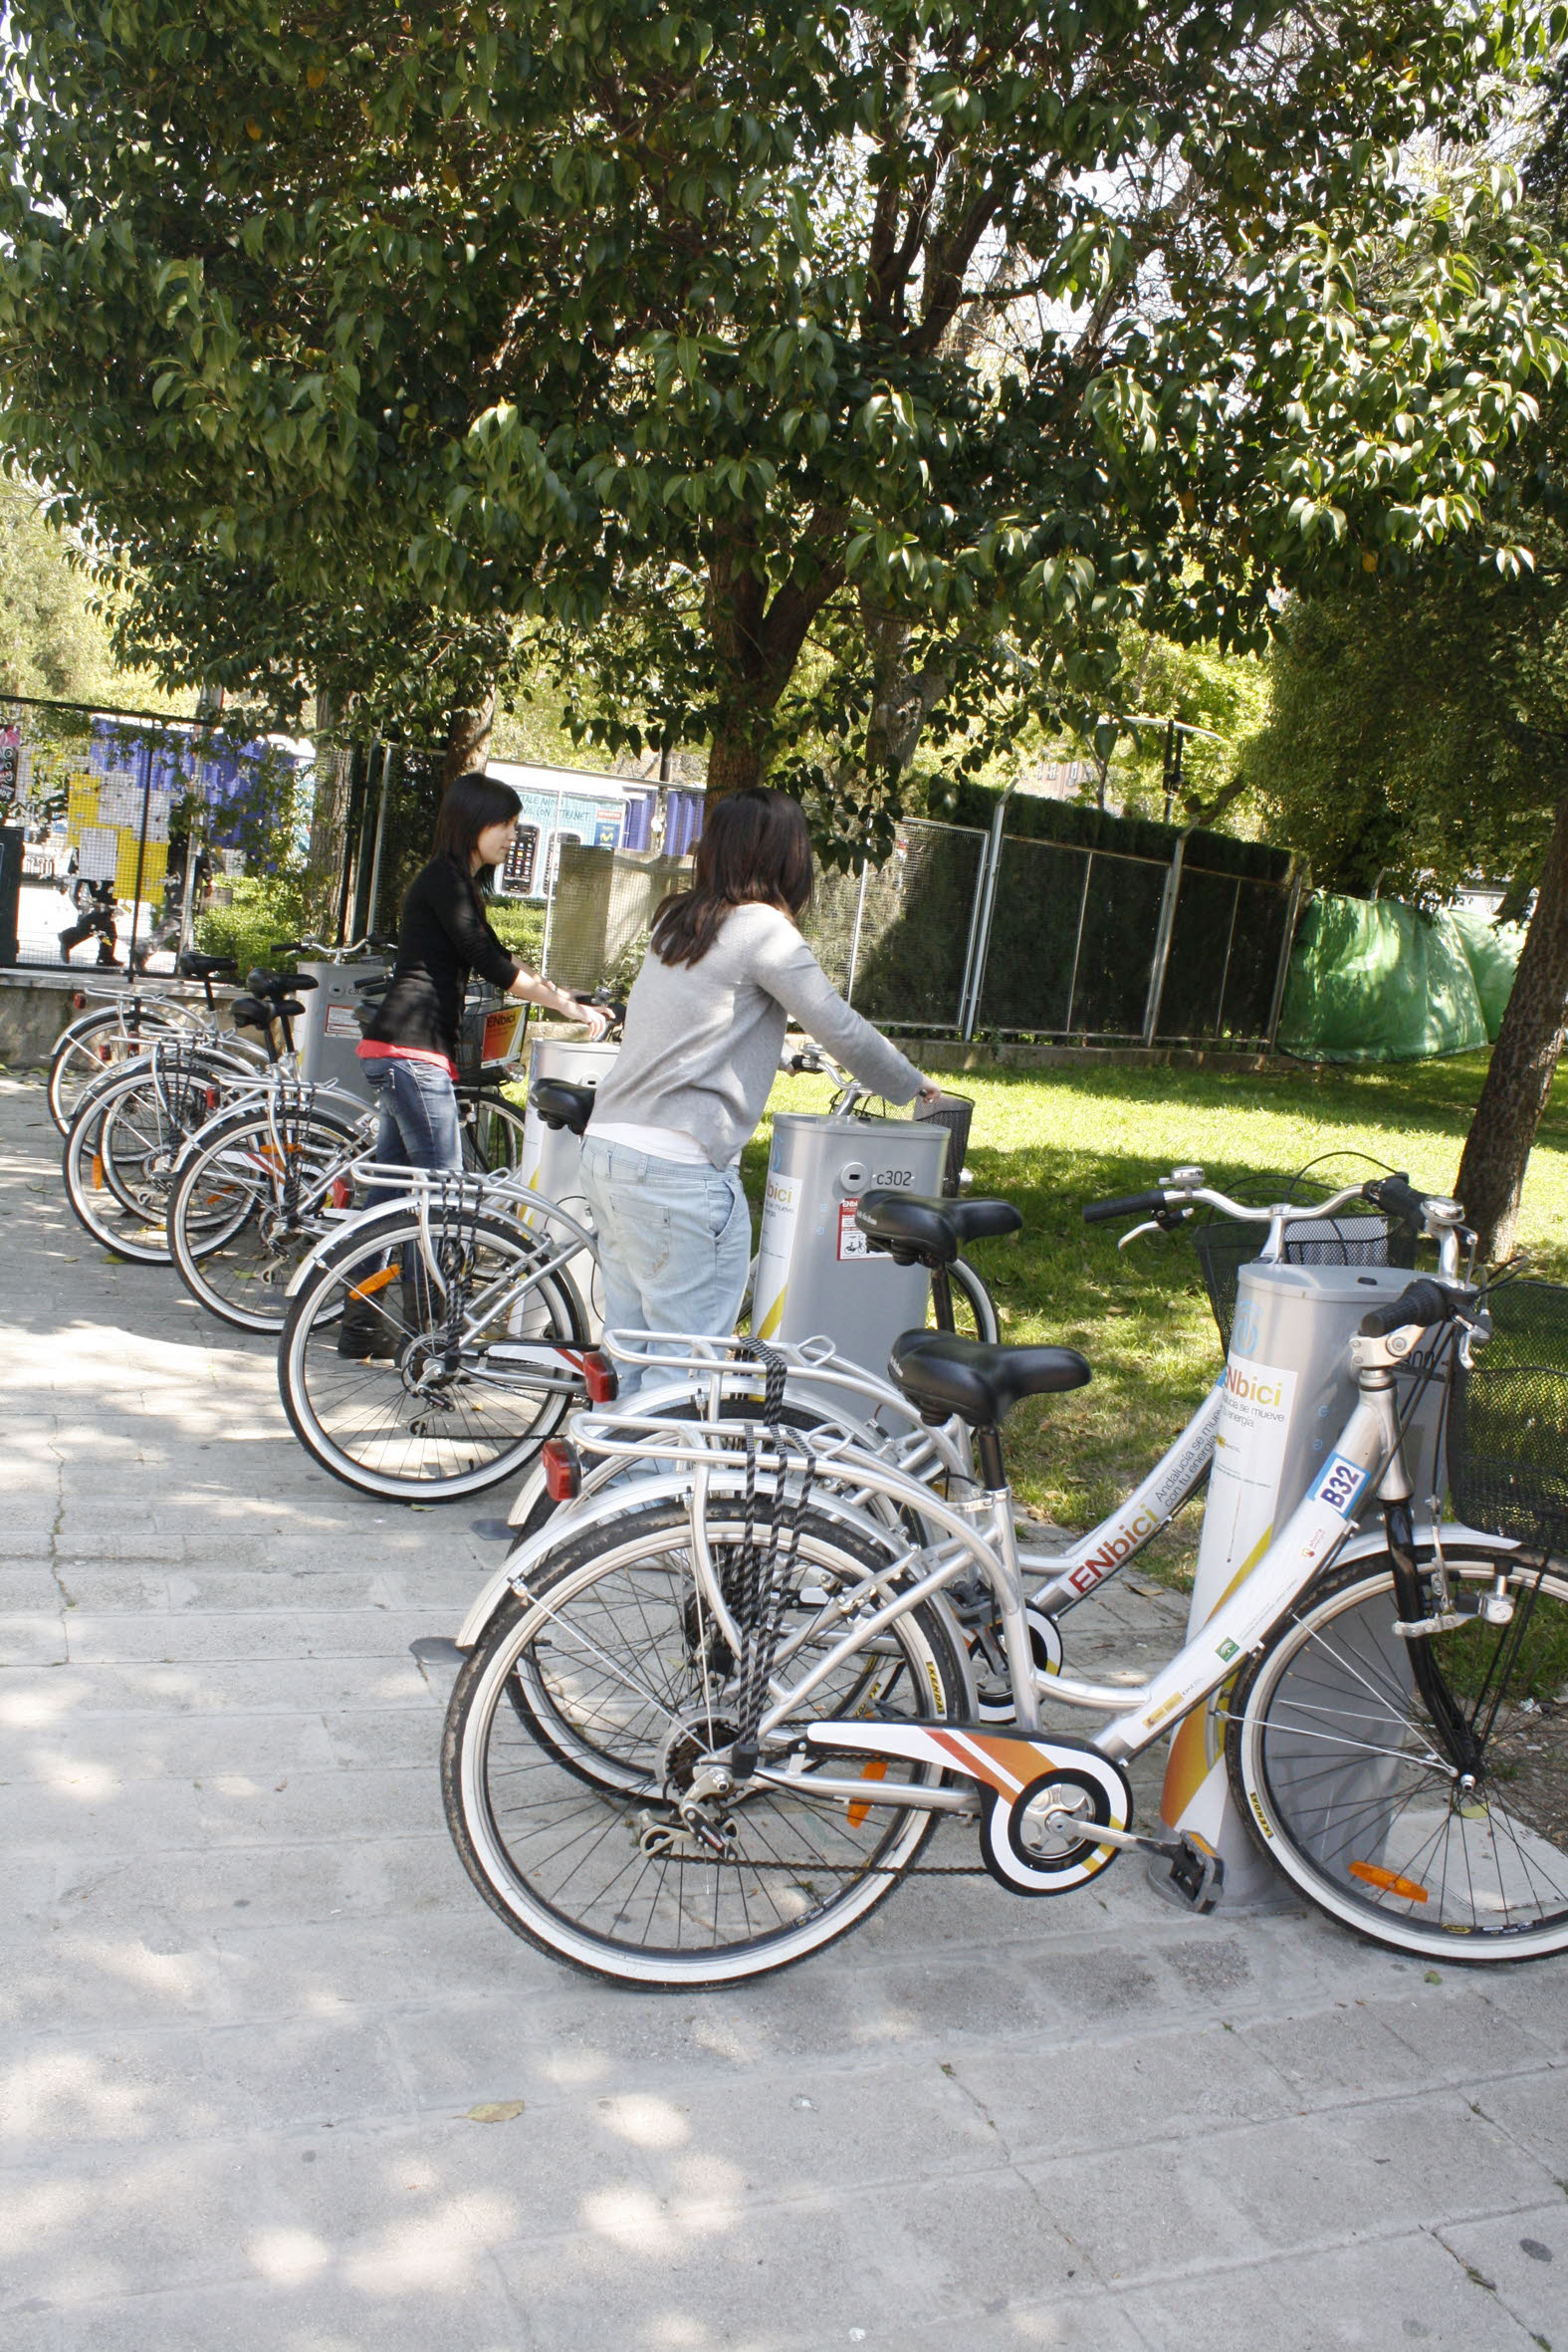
442,939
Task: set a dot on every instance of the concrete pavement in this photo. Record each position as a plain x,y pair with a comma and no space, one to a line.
273,2078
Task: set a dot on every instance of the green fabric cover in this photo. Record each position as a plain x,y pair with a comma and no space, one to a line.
1373,980
1494,959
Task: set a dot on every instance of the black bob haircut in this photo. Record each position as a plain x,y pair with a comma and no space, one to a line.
469,807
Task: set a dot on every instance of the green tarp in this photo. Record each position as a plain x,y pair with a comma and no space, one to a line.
1373,980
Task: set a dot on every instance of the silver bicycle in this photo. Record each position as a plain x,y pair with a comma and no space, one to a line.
715,1718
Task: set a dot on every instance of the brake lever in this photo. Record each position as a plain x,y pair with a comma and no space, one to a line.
1166,1220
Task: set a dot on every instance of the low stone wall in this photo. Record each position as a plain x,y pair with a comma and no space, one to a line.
36,1006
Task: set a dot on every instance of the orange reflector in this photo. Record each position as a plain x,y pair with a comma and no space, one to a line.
97,1171
1389,1882
562,1470
374,1283
876,1769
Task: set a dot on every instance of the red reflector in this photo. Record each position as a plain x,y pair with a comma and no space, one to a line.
342,1192
79,999
212,1097
599,1379
563,1472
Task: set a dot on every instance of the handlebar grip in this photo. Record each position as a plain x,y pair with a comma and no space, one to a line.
1399,1197
1133,1204
1420,1302
286,947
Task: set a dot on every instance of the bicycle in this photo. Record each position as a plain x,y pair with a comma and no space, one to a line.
258,1187
638,1766
124,1026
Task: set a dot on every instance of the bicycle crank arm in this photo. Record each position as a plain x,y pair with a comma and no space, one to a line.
1197,1871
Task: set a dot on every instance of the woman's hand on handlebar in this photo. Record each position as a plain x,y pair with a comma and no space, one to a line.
930,1096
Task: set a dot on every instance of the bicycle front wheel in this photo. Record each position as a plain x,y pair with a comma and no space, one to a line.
583,1717
248,1204
451,1368
95,1043
1343,1779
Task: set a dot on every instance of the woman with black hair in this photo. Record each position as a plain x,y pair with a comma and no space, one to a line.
410,1047
726,969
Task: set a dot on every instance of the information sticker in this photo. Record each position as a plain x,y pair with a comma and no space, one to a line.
852,1242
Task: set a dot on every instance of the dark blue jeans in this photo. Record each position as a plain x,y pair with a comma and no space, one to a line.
420,1126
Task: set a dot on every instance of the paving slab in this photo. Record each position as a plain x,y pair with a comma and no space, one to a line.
272,2079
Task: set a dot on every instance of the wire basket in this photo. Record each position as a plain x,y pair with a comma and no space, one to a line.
488,1036
1508,1421
1355,1237
956,1112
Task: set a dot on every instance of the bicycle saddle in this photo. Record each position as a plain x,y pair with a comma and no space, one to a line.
917,1230
249,1012
195,967
562,1106
278,984
943,1373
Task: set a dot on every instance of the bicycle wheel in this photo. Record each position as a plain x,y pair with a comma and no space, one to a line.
249,1202
95,1044
1342,1778
493,1135
637,1674
119,1154
440,1408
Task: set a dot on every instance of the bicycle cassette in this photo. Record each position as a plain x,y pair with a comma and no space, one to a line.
1042,1798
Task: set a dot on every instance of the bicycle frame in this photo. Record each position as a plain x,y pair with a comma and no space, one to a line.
977,1539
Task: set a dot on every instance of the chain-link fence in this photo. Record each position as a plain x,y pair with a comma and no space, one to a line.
117,827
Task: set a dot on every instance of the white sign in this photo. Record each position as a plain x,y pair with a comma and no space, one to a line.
852,1243
1249,1451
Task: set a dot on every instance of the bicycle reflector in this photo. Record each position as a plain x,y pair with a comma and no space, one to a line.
1389,1882
562,1470
599,1379
342,1192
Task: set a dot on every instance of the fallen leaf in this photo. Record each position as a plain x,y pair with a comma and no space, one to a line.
500,2111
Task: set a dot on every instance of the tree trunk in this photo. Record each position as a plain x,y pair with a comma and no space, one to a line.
326,859
468,740
1523,1061
733,762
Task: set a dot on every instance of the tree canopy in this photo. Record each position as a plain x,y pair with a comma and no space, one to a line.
813,371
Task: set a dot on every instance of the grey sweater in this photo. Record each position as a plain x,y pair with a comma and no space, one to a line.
702,1041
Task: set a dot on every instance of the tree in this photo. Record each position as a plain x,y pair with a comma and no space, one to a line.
903,350
1420,736
54,645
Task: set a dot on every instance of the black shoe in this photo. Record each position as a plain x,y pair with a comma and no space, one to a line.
365,1335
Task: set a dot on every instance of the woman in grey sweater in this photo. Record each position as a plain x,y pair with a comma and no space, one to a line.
725,971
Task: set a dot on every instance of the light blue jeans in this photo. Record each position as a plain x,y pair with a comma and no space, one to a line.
675,1244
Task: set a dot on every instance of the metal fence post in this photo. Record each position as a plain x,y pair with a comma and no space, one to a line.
1287,942
854,938
979,923
380,831
1162,941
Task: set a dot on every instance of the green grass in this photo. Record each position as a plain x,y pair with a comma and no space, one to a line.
1053,1139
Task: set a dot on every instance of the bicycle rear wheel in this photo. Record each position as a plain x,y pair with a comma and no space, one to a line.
1343,1779
248,1204
584,1713
120,1153
436,1407
95,1044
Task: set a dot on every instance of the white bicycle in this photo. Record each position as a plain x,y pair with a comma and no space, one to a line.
712,1721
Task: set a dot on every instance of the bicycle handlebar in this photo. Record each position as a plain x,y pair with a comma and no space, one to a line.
1422,1301
1132,1204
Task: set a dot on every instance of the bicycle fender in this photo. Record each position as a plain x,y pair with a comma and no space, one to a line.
1369,1541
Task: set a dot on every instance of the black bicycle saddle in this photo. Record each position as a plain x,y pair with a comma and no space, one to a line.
562,1106
919,1231
943,1373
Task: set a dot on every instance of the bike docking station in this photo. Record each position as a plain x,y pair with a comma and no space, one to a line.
1287,1391
817,1273
329,1028
552,1155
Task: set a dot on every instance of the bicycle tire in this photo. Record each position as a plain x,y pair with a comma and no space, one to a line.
1380,1837
857,1867
81,1055
204,1259
374,1406
99,1195
973,1308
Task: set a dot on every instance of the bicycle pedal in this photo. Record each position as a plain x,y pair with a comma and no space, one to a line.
1196,1873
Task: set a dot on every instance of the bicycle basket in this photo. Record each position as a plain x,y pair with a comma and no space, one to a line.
1356,1237
955,1112
1508,1421
489,1035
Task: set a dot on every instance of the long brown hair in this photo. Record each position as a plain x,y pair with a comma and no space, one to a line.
755,850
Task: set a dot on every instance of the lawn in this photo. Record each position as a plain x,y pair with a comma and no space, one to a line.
1052,1139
